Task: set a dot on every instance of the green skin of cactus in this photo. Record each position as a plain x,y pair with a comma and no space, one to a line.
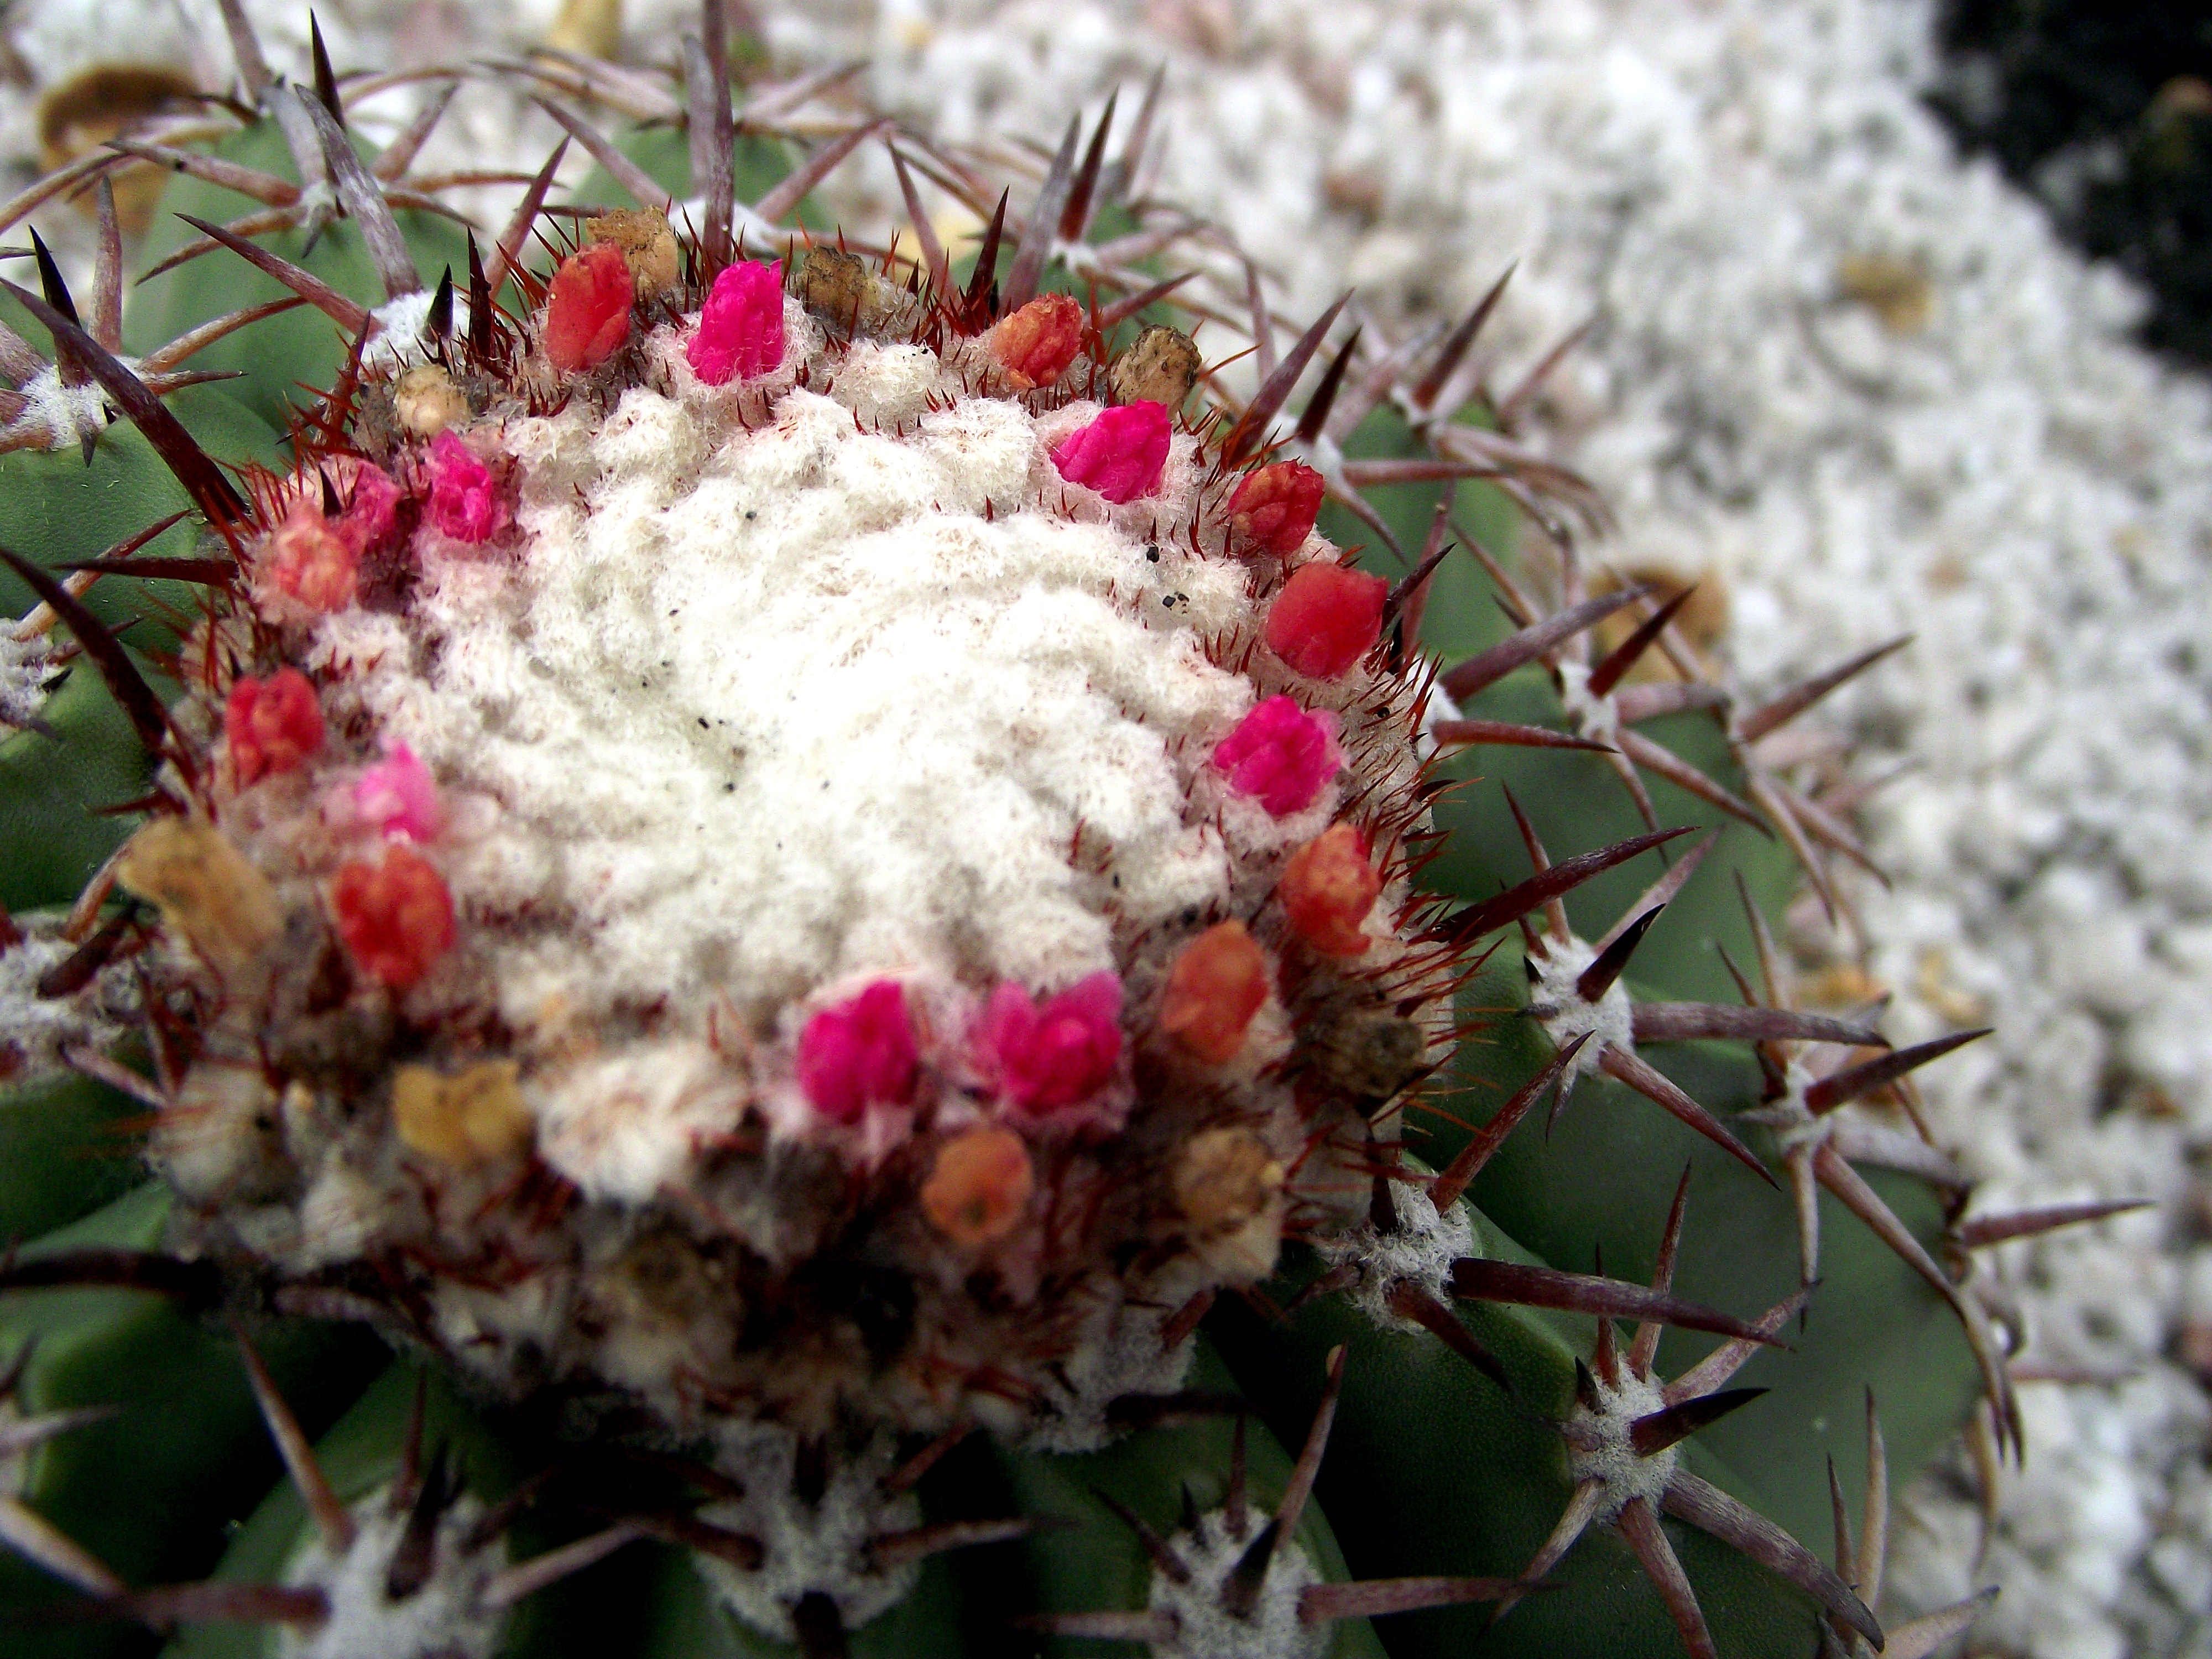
1430,1470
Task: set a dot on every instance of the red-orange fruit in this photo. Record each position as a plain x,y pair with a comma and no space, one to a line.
1327,617
1327,889
1035,344
1215,987
1274,508
588,314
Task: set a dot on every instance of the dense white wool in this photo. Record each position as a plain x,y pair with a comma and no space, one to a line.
1206,1630
762,710
444,1619
1419,1251
1599,1449
620,1125
399,329
59,415
1610,1022
1121,1354
34,1028
26,668
807,1547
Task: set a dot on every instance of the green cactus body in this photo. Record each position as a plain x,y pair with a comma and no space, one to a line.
821,904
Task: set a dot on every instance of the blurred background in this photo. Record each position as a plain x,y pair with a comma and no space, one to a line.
1889,315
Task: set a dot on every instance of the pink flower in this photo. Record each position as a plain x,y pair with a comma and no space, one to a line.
859,1054
272,726
398,797
1044,1059
465,498
395,917
372,504
312,559
741,326
1121,454
1281,756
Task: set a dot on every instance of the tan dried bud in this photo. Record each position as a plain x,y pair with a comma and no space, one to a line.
205,889
648,245
979,1186
1371,1056
426,401
836,287
112,100
1898,291
1160,366
472,1117
590,28
1224,1177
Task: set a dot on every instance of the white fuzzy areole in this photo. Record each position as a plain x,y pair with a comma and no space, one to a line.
1610,1022
27,669
1603,1452
1419,1251
401,327
35,1029
1593,717
445,1619
1205,1630
61,416
1121,1353
1796,1127
764,709
808,1548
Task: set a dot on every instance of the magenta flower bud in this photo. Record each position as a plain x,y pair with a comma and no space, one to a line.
741,327
1045,1058
465,498
859,1054
1281,756
1121,454
372,505
398,797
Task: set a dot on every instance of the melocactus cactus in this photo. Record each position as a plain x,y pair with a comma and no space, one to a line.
765,858
767,863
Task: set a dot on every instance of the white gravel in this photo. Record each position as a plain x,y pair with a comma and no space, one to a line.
2011,479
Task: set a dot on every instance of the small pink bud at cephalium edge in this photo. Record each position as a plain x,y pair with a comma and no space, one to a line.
858,1054
398,797
272,726
1280,754
1045,1058
1121,454
465,498
741,326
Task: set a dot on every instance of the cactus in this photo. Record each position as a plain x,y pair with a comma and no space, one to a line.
773,940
